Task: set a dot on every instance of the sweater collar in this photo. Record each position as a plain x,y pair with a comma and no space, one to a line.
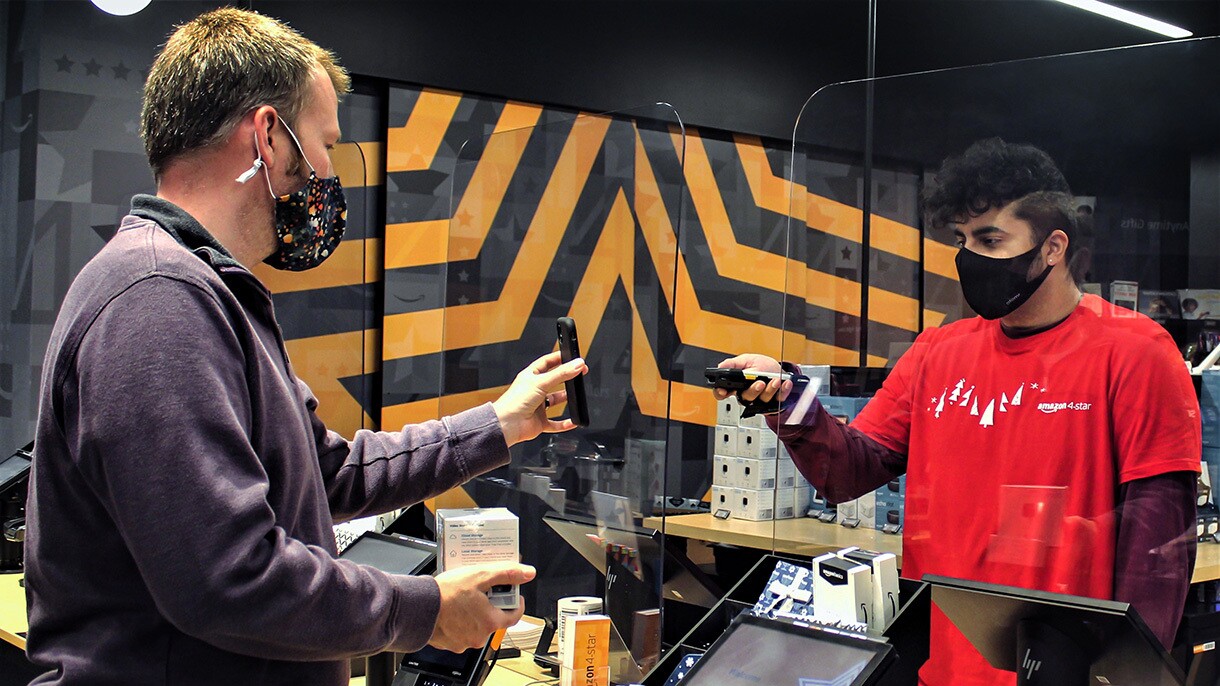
184,228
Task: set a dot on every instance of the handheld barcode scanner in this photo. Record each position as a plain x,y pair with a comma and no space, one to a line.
740,379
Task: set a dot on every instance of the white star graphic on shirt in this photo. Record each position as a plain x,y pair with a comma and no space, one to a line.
1033,385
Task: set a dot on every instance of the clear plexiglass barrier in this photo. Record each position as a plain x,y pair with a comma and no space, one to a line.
1013,270
579,217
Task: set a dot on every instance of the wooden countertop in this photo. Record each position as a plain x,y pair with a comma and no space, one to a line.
810,537
12,610
802,536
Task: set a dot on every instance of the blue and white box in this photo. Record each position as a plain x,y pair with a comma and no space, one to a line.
788,593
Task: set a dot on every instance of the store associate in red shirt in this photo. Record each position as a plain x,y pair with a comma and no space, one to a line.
1051,443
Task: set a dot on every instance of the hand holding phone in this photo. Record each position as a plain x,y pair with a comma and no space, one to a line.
569,349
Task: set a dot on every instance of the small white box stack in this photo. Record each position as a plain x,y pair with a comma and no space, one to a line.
842,590
753,476
884,569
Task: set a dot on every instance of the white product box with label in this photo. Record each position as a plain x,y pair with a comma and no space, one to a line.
728,411
753,474
866,510
469,536
725,441
755,422
791,502
722,471
842,590
786,475
884,568
743,503
760,444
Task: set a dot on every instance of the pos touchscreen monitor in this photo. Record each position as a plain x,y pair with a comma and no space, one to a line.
756,651
1053,638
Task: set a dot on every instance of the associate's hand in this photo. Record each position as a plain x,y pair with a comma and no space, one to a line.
760,363
467,618
522,408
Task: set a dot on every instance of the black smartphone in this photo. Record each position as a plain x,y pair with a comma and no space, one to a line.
739,379
569,349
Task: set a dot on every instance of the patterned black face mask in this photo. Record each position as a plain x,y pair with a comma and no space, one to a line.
308,223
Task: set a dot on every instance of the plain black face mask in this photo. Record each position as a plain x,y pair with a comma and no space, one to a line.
995,287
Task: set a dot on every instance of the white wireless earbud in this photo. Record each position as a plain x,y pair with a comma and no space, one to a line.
249,173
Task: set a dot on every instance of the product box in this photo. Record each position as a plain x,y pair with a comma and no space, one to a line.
757,421
725,441
866,510
723,473
1209,405
754,474
884,568
849,514
586,651
890,517
728,411
760,444
786,475
791,502
816,502
842,590
890,506
845,408
752,505
643,471
818,374
788,593
1201,526
470,536
1211,460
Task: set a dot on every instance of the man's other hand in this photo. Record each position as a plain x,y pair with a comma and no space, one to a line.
467,618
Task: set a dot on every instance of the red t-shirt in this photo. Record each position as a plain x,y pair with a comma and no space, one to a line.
1016,448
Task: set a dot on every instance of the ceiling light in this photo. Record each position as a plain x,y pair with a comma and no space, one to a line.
1125,16
121,8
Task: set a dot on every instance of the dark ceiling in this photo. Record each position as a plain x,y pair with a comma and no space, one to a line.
737,65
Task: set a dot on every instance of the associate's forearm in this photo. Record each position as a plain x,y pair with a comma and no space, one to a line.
841,462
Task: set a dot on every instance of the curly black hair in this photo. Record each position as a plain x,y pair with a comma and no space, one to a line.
990,173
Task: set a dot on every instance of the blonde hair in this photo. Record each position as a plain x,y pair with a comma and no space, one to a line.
217,67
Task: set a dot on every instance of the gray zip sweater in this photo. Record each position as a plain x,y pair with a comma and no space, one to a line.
184,489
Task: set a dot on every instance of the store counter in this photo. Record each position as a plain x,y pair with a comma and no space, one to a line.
12,610
808,537
519,671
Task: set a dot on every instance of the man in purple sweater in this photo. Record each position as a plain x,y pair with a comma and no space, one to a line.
183,487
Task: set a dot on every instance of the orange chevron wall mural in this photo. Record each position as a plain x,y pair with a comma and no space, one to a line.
672,247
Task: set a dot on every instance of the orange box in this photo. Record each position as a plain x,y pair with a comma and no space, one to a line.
587,653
